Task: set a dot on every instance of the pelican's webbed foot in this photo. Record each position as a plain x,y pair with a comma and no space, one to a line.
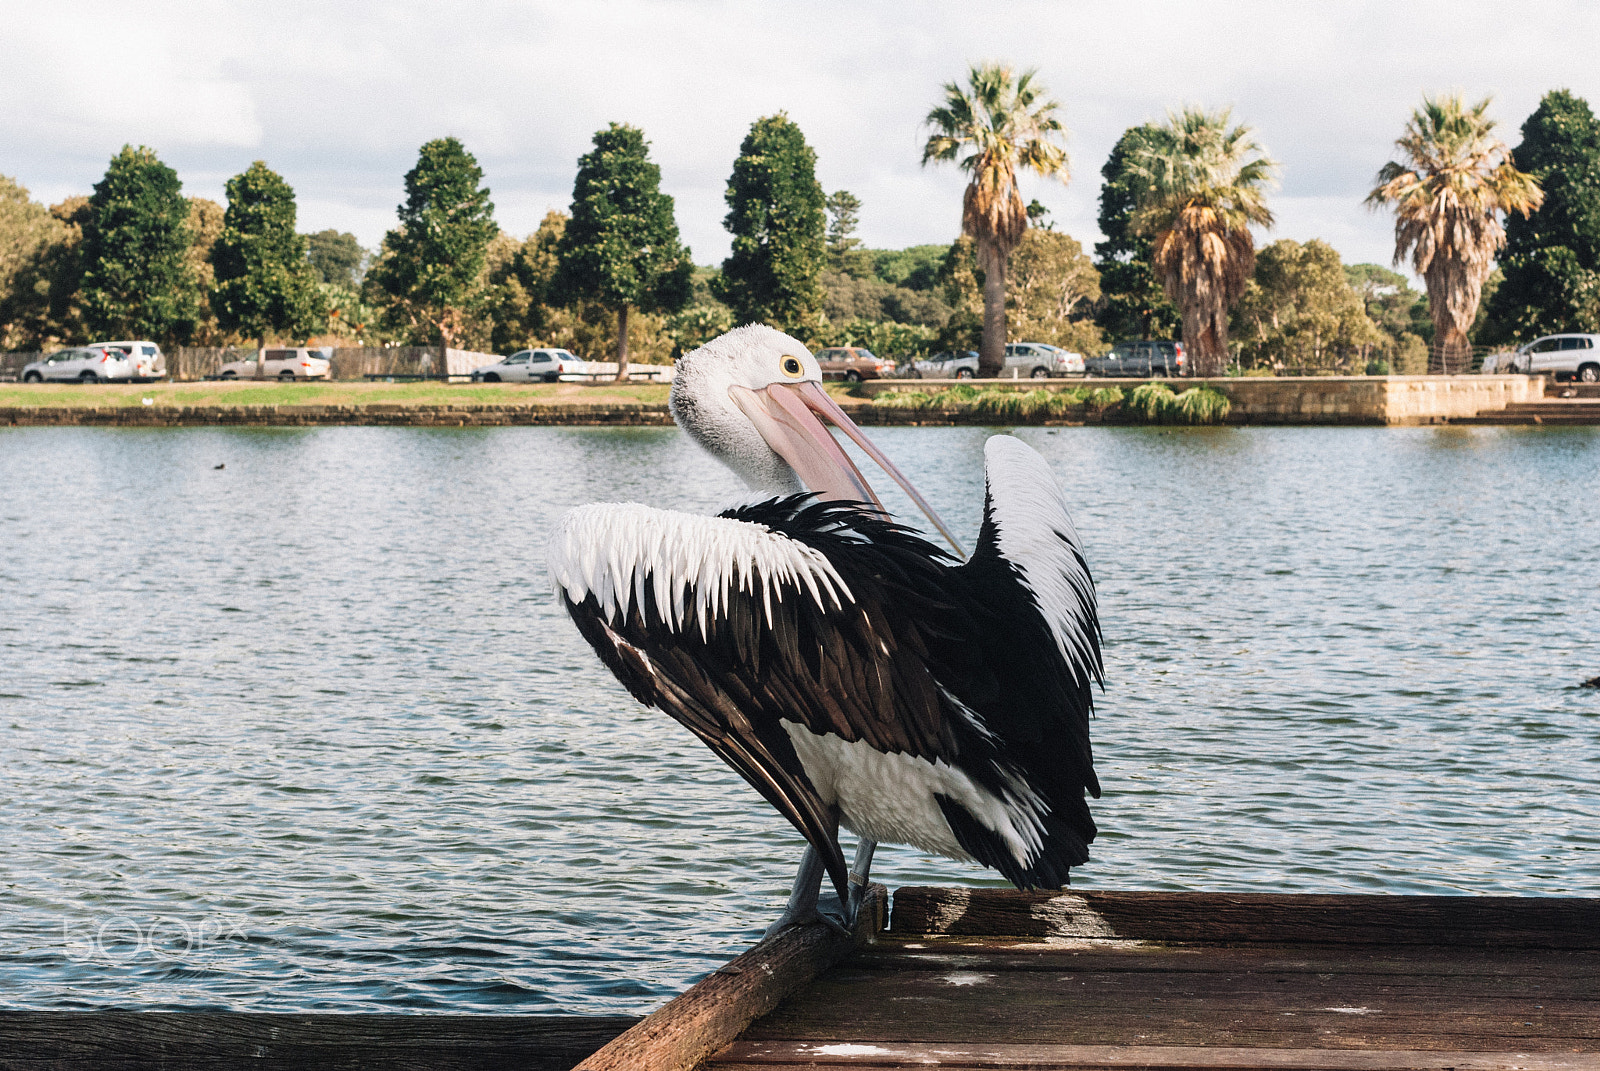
807,902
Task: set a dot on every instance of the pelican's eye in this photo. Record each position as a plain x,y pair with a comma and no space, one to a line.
793,368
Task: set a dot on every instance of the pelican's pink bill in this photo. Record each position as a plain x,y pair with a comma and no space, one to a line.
791,411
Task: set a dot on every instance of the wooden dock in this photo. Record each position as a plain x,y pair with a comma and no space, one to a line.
982,978
995,979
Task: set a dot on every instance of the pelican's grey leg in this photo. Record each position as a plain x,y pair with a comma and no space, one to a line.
859,870
802,905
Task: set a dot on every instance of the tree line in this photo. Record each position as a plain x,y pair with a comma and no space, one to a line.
1506,240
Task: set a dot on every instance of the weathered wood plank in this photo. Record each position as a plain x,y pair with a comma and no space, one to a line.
1069,954
1459,921
1243,989
116,1040
713,1011
780,1056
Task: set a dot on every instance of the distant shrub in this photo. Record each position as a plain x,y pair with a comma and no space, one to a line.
1201,405
1152,403
1378,367
1103,398
903,399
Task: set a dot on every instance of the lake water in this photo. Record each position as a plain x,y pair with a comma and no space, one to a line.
307,732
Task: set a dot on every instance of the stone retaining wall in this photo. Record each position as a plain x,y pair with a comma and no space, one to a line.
1312,399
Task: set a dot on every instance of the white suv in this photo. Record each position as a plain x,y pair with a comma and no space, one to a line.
1557,356
527,366
298,363
83,364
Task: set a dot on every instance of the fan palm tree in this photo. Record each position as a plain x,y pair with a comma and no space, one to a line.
1201,185
995,125
1450,186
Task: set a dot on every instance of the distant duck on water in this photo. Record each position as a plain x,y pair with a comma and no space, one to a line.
852,672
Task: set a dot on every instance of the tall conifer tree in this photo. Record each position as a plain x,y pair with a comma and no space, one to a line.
621,246
137,282
265,284
1135,305
775,214
429,269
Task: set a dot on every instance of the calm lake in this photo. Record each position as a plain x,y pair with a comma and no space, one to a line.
290,721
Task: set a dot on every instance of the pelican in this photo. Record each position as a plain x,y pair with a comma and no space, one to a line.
854,673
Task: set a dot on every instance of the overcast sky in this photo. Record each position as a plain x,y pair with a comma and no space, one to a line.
338,97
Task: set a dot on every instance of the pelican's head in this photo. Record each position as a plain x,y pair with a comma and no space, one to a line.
753,396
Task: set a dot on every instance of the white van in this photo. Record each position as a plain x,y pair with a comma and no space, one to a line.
149,363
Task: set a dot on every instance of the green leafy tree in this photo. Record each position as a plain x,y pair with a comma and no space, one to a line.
429,273
915,267
1200,186
265,285
29,233
1398,311
1551,258
205,227
1133,304
775,214
137,280
338,258
1000,122
620,249
1299,310
1448,191
1051,287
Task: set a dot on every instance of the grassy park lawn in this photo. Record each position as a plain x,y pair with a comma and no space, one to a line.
327,393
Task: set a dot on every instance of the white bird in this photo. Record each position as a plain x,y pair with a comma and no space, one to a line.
852,672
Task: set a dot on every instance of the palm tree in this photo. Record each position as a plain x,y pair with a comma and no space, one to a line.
1001,122
1448,190
1200,186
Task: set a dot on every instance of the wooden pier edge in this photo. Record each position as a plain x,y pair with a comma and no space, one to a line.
715,1010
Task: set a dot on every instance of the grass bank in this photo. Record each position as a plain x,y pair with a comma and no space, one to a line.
338,393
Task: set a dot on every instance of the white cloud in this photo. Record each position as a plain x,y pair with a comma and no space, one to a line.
339,97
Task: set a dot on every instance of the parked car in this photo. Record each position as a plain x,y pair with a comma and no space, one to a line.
852,363
1139,358
1557,356
300,363
961,364
149,363
1040,360
529,366
82,364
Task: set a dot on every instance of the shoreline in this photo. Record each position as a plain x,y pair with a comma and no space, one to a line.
1372,401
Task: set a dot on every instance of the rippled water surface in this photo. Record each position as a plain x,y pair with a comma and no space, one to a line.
307,732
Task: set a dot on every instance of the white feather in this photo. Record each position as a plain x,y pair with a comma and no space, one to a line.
890,797
1036,534
613,550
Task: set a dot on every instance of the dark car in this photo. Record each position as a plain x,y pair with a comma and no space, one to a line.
1135,358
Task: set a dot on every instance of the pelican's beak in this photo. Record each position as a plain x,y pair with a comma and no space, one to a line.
786,415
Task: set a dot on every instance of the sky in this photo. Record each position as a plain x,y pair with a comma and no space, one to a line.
339,97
